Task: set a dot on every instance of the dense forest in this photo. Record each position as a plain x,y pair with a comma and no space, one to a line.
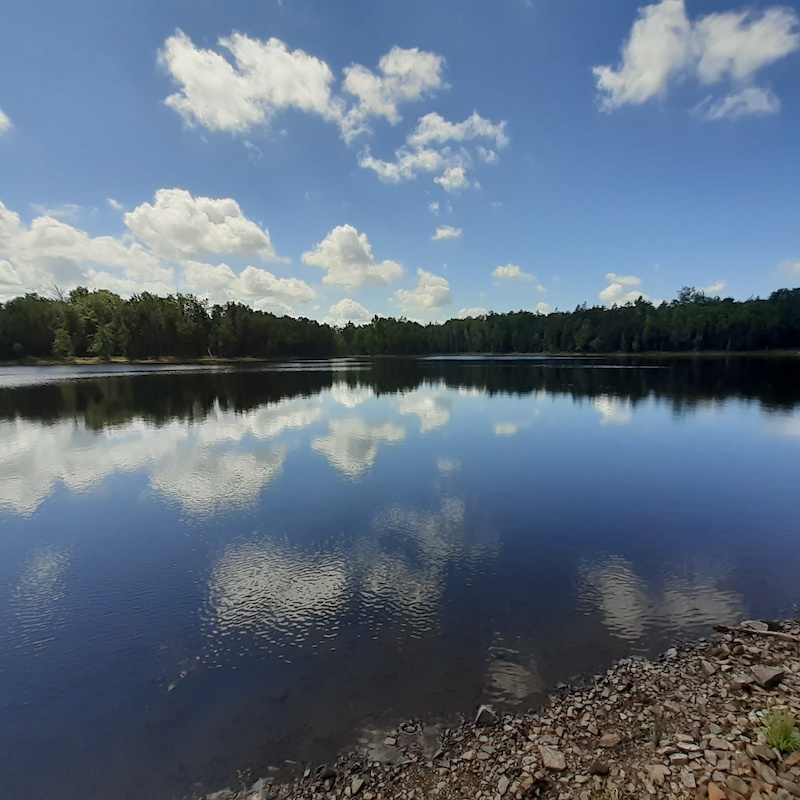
102,324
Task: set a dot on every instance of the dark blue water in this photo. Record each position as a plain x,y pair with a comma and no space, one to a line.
206,572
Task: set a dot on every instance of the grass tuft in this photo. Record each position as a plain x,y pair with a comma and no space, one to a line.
782,731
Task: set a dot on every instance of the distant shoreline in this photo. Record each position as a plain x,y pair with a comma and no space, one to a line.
94,361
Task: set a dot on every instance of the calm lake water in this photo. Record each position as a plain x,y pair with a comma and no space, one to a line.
211,571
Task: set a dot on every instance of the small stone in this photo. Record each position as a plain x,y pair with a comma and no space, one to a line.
792,759
768,775
502,785
356,786
711,757
714,792
552,759
678,759
719,744
738,785
658,773
768,677
755,625
486,715
742,680
708,667
687,779
390,741
761,751
598,767
609,740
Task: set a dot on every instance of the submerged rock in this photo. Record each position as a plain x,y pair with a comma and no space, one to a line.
486,716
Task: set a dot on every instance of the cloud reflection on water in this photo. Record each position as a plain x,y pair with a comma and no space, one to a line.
271,589
393,573
204,465
614,410
352,445
631,607
36,596
433,410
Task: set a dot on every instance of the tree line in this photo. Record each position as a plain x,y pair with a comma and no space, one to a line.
102,324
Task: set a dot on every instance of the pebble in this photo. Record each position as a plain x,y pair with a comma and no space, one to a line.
552,759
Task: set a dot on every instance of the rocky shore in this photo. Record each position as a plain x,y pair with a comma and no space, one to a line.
693,724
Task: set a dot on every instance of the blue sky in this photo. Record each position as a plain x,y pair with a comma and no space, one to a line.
425,159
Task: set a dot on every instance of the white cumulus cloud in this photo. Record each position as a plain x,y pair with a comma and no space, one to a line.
432,292
160,253
178,225
407,164
446,232
665,47
404,75
50,251
263,77
621,289
346,256
714,288
347,310
5,123
453,179
435,129
475,311
261,288
512,272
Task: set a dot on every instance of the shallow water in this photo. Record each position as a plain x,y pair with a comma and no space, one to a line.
205,572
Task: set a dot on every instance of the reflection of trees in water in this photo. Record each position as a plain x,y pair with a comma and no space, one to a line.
161,396
631,607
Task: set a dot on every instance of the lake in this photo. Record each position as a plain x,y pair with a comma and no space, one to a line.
207,571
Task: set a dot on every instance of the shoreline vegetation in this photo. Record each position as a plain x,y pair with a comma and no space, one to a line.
711,720
100,324
213,361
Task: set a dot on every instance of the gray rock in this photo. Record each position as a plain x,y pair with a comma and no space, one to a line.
658,773
486,715
356,785
755,625
610,740
552,758
767,677
502,785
